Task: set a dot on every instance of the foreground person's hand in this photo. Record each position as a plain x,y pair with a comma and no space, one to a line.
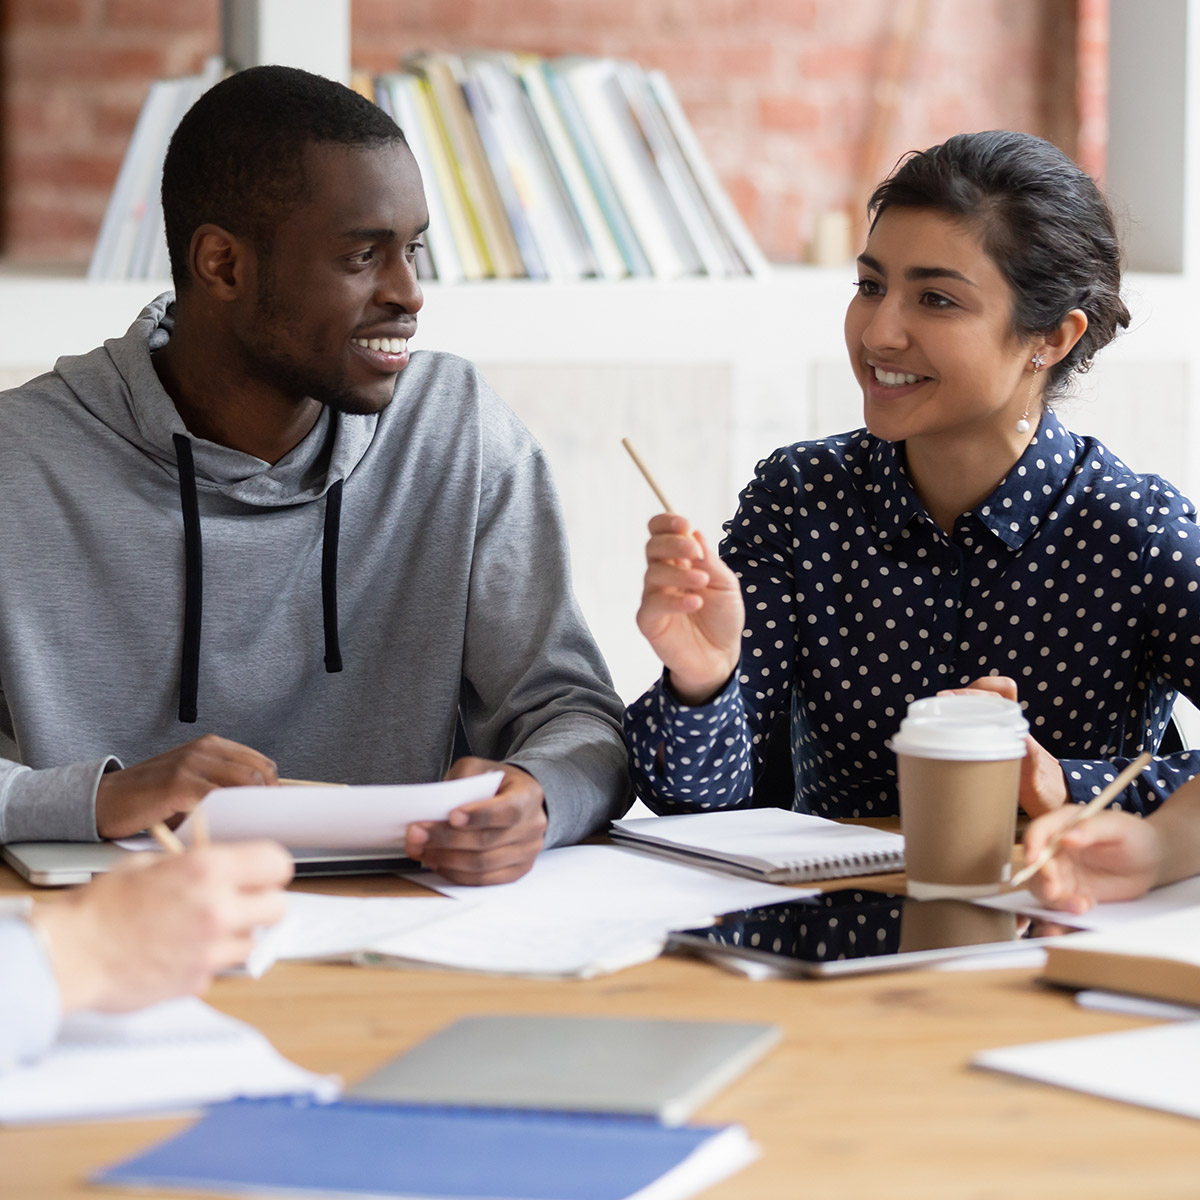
1113,856
162,927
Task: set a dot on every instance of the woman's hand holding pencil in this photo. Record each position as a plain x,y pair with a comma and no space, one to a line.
691,611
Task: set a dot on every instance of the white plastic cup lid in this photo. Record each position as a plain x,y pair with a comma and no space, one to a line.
970,706
982,727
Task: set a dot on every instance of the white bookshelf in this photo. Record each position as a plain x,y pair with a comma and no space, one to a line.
705,376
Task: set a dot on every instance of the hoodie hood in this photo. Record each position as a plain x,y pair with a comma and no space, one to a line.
118,385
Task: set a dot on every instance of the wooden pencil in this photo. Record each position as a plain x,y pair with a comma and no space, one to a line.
641,466
166,839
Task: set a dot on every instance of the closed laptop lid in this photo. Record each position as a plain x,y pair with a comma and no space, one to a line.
663,1069
58,864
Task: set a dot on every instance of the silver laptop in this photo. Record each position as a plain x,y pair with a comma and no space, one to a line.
58,864
654,1068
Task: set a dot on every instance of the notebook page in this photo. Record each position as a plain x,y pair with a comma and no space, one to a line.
171,1057
767,838
1172,935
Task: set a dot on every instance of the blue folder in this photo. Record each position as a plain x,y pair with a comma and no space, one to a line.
292,1147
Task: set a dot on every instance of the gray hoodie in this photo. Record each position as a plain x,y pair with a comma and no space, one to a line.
451,589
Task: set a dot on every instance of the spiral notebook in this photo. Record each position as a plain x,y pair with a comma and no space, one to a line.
771,844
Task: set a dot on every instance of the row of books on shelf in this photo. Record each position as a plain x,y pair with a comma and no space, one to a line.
565,169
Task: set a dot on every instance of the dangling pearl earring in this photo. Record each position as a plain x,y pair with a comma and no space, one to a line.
1039,361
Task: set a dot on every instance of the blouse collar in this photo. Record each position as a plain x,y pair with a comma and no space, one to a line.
1014,510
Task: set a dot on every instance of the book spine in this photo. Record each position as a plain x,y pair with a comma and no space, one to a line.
502,161
442,258
444,73
632,170
464,227
727,216
611,204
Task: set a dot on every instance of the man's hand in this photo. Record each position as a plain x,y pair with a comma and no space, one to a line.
487,841
168,786
1112,856
162,927
1043,784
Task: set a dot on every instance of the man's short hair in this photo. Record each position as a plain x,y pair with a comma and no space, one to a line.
237,158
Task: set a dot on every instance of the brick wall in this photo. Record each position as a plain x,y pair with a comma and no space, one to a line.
780,91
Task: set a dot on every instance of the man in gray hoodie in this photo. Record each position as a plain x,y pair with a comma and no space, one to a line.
254,518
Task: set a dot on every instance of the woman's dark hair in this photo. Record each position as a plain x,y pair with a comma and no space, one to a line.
1042,221
237,157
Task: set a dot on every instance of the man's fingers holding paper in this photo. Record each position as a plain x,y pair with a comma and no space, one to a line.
488,841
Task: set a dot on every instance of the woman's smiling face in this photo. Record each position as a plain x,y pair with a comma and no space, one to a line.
930,335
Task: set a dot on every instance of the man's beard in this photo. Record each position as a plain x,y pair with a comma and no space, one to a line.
276,326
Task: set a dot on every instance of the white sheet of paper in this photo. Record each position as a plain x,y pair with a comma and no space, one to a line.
368,817
580,911
337,926
1185,894
1135,1006
172,1057
140,843
1154,1067
997,960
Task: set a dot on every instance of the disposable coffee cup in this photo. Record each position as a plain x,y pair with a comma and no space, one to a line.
959,771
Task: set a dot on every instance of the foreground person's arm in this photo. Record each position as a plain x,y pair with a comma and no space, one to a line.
141,934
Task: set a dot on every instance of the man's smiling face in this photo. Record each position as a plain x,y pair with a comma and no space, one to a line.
336,296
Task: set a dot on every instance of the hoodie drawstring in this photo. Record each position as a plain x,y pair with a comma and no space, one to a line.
193,580
329,552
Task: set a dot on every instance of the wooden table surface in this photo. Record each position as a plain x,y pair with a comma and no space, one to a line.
868,1094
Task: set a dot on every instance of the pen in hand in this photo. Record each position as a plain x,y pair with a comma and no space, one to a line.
1095,805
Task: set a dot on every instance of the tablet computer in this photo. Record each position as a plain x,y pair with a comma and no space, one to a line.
852,931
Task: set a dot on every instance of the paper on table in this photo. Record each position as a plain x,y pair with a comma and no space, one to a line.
367,817
1152,1067
1184,894
1019,957
580,911
337,926
1135,1006
169,1058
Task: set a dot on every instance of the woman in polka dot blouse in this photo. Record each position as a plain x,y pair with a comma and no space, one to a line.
964,537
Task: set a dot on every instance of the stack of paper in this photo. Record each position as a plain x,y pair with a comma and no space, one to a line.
581,911
338,927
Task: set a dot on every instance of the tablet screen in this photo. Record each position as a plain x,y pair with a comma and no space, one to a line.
852,924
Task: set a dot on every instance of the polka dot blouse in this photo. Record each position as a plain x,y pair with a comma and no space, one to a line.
1076,577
